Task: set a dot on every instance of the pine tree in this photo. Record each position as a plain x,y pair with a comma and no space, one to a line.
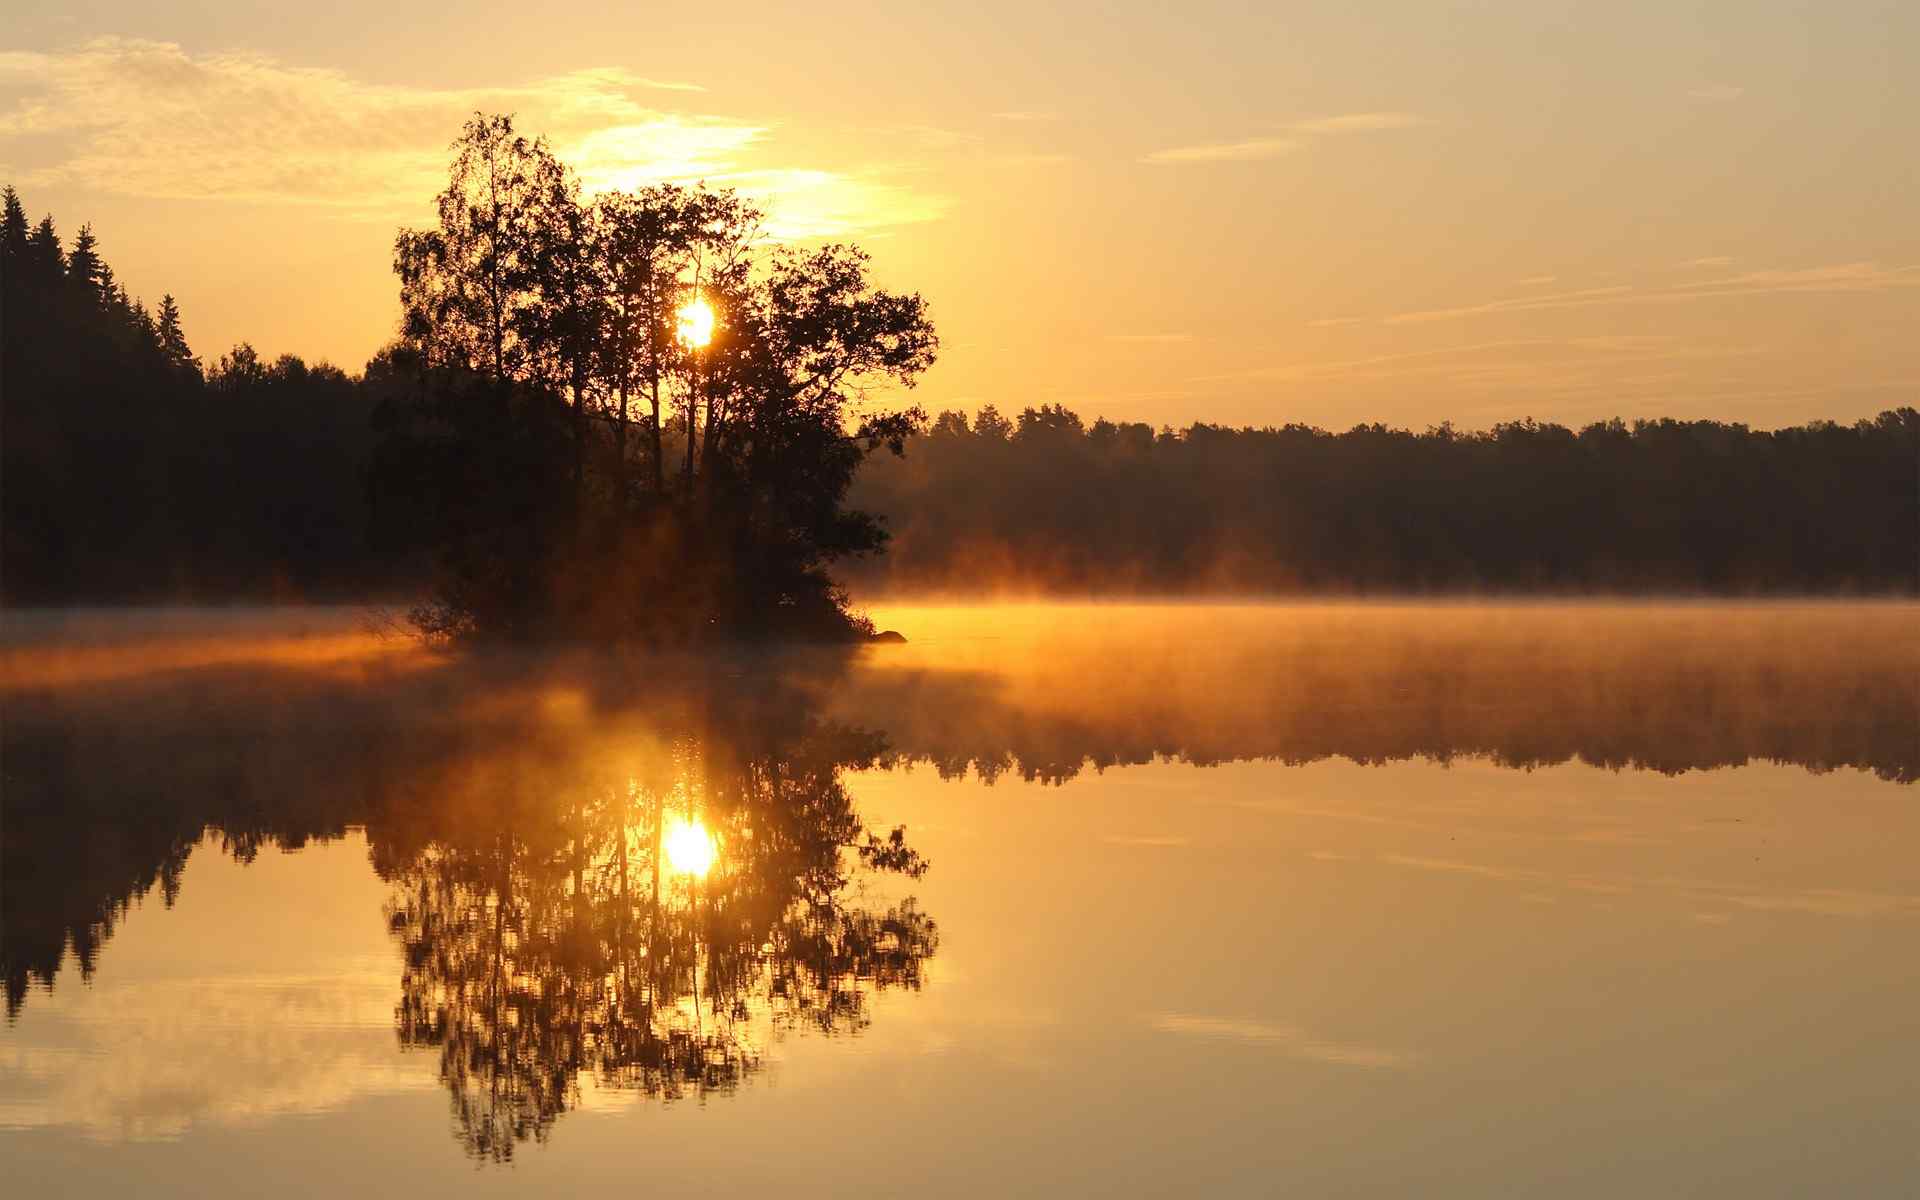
141,321
13,228
46,262
86,271
173,342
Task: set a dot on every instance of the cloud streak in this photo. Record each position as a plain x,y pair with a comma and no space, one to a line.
1368,122
151,119
1837,278
1249,150
1255,149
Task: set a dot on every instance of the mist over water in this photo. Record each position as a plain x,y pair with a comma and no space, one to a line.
1226,897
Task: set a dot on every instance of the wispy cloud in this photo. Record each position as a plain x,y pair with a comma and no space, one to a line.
667,85
1839,277
1272,146
931,136
1023,114
1367,122
1836,278
1151,338
152,119
1250,150
1555,300
1718,93
1616,366
1287,1039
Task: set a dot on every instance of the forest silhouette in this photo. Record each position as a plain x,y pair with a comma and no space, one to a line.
635,417
630,417
1044,502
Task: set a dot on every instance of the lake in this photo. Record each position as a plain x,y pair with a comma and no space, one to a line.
1342,899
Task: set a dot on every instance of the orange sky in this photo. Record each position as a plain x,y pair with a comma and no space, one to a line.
1327,212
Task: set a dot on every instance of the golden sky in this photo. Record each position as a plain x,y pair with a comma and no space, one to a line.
1248,213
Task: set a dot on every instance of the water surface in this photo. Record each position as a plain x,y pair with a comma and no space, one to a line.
1320,900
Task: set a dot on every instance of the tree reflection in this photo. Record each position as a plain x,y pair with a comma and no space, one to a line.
548,934
485,781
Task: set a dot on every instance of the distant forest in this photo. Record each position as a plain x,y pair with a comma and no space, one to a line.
134,471
1044,502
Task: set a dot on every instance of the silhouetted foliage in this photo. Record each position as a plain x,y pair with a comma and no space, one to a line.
1048,503
129,475
526,442
581,466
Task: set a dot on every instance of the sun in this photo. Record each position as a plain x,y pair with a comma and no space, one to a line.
690,848
696,322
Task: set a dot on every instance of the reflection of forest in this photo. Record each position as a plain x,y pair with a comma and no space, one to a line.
545,934
513,803
1659,687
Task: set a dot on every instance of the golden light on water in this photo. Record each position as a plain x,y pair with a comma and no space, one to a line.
696,323
690,848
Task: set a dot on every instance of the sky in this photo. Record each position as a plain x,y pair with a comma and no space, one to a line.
1260,213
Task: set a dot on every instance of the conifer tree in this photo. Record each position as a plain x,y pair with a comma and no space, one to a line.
13,227
46,261
173,342
85,270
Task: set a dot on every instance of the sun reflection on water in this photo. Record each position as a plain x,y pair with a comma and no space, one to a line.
691,849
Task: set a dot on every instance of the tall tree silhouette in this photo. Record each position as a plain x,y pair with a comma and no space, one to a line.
534,318
173,340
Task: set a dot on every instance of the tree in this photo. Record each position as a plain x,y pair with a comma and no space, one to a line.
45,260
173,341
562,323
85,270
466,287
526,304
13,226
649,243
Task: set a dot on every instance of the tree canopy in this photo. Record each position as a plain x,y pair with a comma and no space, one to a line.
635,416
545,450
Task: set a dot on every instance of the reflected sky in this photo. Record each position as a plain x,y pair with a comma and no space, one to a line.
1633,916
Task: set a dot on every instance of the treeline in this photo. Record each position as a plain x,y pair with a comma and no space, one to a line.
132,472
1046,502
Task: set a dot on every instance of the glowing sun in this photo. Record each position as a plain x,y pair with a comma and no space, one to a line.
696,322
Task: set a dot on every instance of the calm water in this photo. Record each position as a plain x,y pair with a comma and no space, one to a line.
1223,900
